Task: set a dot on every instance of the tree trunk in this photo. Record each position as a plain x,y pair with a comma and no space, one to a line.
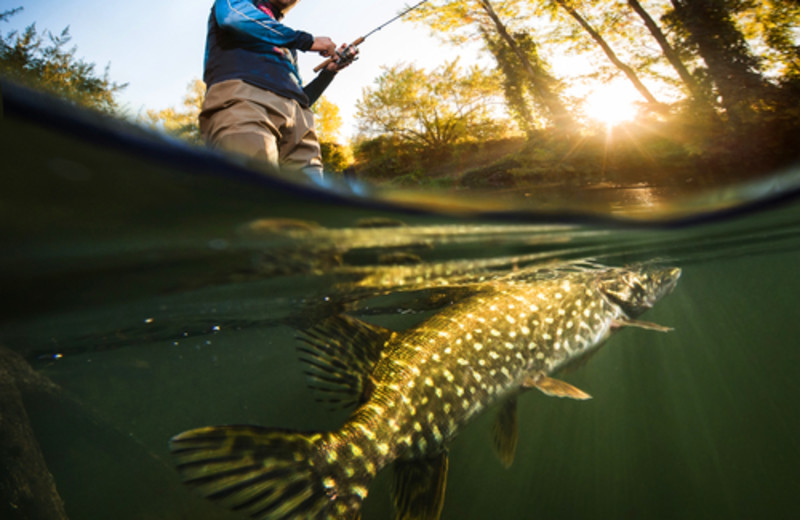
540,80
670,53
731,66
612,56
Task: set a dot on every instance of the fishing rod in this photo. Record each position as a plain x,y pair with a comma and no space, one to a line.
348,53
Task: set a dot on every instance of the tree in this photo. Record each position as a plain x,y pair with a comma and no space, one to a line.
335,156
515,49
182,123
327,120
709,28
670,53
728,70
609,52
432,109
774,24
544,86
517,91
43,62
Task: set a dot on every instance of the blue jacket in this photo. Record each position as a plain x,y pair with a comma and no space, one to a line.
249,44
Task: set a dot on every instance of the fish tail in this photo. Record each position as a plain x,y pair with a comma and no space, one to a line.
269,474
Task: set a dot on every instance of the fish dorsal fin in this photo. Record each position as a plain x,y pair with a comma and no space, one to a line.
341,353
555,387
419,485
505,432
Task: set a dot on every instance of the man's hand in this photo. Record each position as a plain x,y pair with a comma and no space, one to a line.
324,46
346,55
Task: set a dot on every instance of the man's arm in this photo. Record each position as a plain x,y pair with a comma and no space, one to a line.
250,23
318,85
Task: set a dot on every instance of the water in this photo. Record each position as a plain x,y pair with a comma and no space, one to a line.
160,297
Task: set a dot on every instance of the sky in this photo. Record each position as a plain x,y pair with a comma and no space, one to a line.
157,46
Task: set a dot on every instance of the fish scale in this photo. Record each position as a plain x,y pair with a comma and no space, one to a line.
465,359
416,390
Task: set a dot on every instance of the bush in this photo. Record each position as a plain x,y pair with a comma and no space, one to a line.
336,157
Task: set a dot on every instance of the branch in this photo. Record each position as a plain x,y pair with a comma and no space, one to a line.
628,71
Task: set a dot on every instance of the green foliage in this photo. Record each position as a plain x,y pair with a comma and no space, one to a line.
520,95
772,26
709,29
431,109
327,120
726,54
44,62
386,157
633,156
725,75
336,157
413,120
459,21
183,122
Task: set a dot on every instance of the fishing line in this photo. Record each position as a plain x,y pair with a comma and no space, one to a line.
348,53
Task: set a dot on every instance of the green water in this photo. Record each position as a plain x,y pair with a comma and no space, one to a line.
145,293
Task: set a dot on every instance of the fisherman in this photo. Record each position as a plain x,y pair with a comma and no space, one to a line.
255,104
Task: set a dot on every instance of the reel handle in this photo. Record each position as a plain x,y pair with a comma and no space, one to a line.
325,63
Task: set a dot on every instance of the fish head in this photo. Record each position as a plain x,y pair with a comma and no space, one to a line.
636,289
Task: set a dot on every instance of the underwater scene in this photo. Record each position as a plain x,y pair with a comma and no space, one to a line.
376,351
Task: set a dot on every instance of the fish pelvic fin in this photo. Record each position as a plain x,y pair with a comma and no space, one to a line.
505,432
646,325
419,486
555,387
340,353
269,474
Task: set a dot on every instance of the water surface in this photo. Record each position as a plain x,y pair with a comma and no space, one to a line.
162,289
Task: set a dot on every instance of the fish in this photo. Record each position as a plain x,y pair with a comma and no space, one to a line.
414,390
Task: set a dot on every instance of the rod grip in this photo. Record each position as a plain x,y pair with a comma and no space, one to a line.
323,65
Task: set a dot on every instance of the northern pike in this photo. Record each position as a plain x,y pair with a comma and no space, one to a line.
415,391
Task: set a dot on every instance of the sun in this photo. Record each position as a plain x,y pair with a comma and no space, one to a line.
610,104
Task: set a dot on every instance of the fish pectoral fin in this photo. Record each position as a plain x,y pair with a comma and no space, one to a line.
419,485
555,387
642,325
505,432
340,353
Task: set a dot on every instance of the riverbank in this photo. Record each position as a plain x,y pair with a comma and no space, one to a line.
664,155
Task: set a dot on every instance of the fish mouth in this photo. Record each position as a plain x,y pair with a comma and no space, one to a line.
635,290
664,283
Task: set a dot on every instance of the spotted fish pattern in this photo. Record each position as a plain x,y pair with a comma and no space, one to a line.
415,390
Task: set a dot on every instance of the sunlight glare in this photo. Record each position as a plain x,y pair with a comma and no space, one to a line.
610,105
